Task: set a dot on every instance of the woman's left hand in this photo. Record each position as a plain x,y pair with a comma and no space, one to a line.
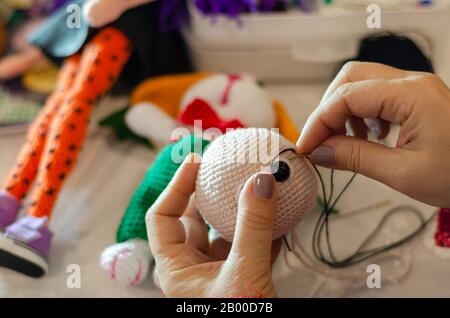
191,266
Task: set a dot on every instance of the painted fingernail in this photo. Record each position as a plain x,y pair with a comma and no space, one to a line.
264,185
323,156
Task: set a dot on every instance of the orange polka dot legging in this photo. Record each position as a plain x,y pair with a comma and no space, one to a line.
55,138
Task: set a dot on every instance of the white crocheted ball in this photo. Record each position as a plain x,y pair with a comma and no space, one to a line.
233,158
128,262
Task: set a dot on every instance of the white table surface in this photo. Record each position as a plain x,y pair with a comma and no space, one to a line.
97,193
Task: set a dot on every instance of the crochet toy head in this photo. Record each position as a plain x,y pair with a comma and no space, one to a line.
233,158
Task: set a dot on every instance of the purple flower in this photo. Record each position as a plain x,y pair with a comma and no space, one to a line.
230,8
234,8
175,12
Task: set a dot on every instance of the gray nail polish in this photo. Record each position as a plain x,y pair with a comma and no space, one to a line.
323,156
264,185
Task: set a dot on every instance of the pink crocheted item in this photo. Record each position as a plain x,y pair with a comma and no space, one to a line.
233,158
442,234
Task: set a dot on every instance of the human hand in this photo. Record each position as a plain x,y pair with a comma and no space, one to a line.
190,266
419,165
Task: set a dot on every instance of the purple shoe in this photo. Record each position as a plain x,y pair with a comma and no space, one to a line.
24,246
9,208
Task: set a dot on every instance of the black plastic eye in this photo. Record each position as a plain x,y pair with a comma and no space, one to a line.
281,171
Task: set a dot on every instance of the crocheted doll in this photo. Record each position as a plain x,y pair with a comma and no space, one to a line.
220,102
127,49
217,100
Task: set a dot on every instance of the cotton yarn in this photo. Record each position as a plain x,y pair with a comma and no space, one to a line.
348,280
233,158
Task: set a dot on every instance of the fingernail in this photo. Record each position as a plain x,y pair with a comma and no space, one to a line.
264,185
323,156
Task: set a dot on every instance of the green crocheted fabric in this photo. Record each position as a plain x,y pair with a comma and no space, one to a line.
155,181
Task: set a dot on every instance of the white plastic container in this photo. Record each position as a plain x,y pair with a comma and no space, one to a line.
297,46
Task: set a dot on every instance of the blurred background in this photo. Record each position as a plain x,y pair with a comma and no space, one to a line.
292,47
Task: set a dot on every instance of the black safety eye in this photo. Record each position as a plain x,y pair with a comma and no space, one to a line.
281,171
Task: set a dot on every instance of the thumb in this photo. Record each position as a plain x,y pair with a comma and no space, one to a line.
256,213
368,158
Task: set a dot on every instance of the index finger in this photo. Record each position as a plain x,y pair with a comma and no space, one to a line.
386,99
163,225
316,130
360,71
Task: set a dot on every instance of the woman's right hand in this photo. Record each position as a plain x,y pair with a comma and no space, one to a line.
419,165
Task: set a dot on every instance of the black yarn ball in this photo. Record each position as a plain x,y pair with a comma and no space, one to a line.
393,50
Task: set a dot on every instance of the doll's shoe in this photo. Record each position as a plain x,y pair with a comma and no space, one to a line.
9,208
127,263
24,246
442,235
